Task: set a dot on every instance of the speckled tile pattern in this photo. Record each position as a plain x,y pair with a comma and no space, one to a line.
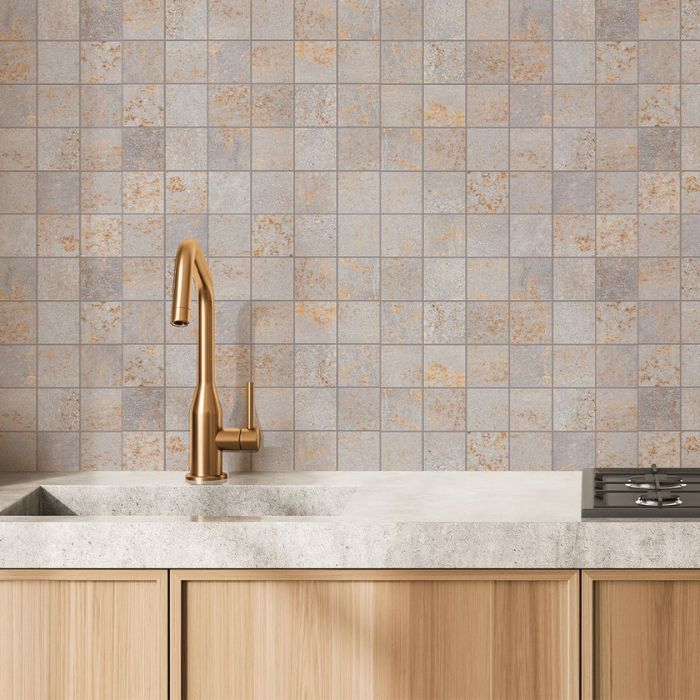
445,234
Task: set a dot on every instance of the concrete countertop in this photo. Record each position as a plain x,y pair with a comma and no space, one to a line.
324,520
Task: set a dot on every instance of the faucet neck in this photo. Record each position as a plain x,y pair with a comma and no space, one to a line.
206,345
190,264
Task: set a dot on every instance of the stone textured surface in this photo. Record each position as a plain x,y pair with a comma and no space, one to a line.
379,521
445,234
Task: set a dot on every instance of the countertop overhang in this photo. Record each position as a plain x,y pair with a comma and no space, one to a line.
378,520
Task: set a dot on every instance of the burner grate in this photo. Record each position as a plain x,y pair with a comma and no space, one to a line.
637,493
651,482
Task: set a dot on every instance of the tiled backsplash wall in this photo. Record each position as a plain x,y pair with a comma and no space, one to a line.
444,235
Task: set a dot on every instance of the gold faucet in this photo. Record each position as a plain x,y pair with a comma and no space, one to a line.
207,438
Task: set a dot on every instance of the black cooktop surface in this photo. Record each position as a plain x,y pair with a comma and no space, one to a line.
641,493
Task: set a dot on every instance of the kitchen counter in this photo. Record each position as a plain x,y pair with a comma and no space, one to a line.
324,520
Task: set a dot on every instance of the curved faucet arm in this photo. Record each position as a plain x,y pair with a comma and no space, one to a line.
190,264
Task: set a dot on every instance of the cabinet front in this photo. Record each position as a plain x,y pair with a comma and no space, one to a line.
641,635
369,634
83,634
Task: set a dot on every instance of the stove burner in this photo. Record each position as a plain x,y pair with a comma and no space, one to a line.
646,482
641,493
656,501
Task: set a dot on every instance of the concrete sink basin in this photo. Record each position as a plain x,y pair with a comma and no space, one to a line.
218,501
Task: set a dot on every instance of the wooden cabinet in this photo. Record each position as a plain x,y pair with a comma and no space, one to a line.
641,634
355,635
367,635
83,634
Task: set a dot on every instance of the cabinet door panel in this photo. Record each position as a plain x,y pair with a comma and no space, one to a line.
374,635
83,634
641,635
530,621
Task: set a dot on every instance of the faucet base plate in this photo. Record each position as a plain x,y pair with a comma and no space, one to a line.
206,479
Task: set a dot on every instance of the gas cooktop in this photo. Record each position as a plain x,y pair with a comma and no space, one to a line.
641,493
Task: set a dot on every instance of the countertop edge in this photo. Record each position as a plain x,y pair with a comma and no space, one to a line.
351,545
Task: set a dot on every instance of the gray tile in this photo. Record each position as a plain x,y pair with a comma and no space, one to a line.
18,279
18,366
530,20
59,451
659,408
573,451
660,149
659,322
18,451
59,193
616,20
143,148
574,192
530,279
100,279
101,105
101,366
616,279
18,20
229,149
530,105
17,105
180,226
229,61
101,19
144,408
690,234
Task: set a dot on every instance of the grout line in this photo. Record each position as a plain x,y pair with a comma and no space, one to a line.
79,253
326,301
422,229
595,242
36,245
638,458
414,41
294,226
465,443
251,346
337,209
509,440
165,251
552,346
380,223
121,281
682,390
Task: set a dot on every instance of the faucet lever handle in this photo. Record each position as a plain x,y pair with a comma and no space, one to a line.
250,438
250,400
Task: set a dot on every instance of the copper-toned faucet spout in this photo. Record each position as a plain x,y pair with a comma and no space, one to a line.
189,263
207,437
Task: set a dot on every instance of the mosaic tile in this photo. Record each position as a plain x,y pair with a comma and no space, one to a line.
400,200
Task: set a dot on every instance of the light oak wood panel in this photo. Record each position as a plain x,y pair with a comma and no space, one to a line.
390,635
641,635
83,635
530,622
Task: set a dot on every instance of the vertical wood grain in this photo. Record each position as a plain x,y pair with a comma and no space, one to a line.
76,635
532,633
394,635
641,633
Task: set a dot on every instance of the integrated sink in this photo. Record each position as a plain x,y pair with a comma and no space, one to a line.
226,501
